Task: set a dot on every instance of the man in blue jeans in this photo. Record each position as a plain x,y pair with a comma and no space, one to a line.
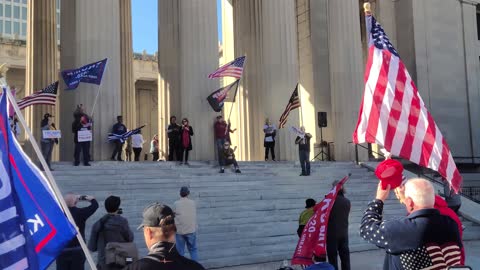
186,222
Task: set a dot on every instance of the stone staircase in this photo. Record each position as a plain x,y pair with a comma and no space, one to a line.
243,219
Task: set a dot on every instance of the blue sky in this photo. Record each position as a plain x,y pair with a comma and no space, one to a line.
145,23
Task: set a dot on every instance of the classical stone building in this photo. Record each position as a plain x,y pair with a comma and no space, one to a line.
319,44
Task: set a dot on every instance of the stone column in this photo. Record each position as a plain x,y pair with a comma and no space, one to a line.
346,72
41,67
280,70
127,84
198,57
97,36
168,66
248,42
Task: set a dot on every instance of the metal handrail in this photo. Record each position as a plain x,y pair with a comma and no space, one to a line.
422,174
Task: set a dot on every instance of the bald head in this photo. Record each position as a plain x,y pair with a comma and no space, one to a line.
71,199
421,192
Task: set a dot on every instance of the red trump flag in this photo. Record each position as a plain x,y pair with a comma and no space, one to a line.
315,232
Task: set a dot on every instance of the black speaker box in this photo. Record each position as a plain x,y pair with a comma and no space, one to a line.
322,119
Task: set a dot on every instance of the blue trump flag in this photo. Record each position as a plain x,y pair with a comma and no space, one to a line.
33,227
91,73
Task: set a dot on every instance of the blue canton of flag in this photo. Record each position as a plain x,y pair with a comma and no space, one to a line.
380,38
33,228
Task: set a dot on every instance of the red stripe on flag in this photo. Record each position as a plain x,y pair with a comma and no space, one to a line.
428,142
411,127
396,110
371,51
378,95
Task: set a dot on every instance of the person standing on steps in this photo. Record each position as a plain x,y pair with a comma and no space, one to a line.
305,215
228,158
186,221
304,151
82,122
47,144
220,130
174,147
154,150
270,131
186,134
137,144
337,231
119,128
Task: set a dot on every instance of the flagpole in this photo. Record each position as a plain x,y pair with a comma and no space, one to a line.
98,93
301,108
56,191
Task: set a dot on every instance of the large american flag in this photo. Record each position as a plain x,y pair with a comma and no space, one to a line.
232,69
293,103
46,96
394,115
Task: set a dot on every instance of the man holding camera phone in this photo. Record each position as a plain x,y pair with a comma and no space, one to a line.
72,257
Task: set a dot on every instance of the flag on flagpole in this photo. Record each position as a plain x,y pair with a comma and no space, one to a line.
293,103
34,228
46,96
232,69
393,114
218,98
91,73
123,137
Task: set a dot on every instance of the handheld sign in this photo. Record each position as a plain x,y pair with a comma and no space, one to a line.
85,136
52,134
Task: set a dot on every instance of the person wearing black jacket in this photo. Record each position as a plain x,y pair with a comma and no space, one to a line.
119,128
72,257
112,227
186,134
159,231
304,151
337,231
81,122
173,132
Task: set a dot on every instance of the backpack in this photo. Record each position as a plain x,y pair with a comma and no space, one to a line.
118,254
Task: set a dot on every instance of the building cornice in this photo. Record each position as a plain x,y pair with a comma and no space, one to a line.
470,2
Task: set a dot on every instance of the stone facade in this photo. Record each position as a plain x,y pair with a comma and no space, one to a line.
318,43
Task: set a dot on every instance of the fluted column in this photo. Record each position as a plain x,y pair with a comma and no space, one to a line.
346,69
280,64
96,32
168,66
41,67
127,84
198,57
248,42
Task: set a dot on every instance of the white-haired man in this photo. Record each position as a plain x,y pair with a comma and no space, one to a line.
423,239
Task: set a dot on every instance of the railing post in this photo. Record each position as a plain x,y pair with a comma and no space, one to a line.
356,154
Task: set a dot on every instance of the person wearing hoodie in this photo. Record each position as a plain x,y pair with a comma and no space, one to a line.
112,227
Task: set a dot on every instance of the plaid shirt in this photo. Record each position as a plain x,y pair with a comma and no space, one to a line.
423,239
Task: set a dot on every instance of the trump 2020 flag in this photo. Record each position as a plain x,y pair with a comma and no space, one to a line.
218,98
393,114
315,231
91,73
33,227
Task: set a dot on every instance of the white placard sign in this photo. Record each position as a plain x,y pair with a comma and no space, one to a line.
52,134
84,136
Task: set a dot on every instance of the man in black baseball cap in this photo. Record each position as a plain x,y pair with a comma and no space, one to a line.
159,231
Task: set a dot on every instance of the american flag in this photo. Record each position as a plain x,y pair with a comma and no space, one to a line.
123,137
293,103
46,96
232,69
432,257
393,114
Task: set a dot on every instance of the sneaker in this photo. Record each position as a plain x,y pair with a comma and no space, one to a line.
119,159
222,170
87,164
186,163
112,158
76,163
302,174
266,159
238,171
